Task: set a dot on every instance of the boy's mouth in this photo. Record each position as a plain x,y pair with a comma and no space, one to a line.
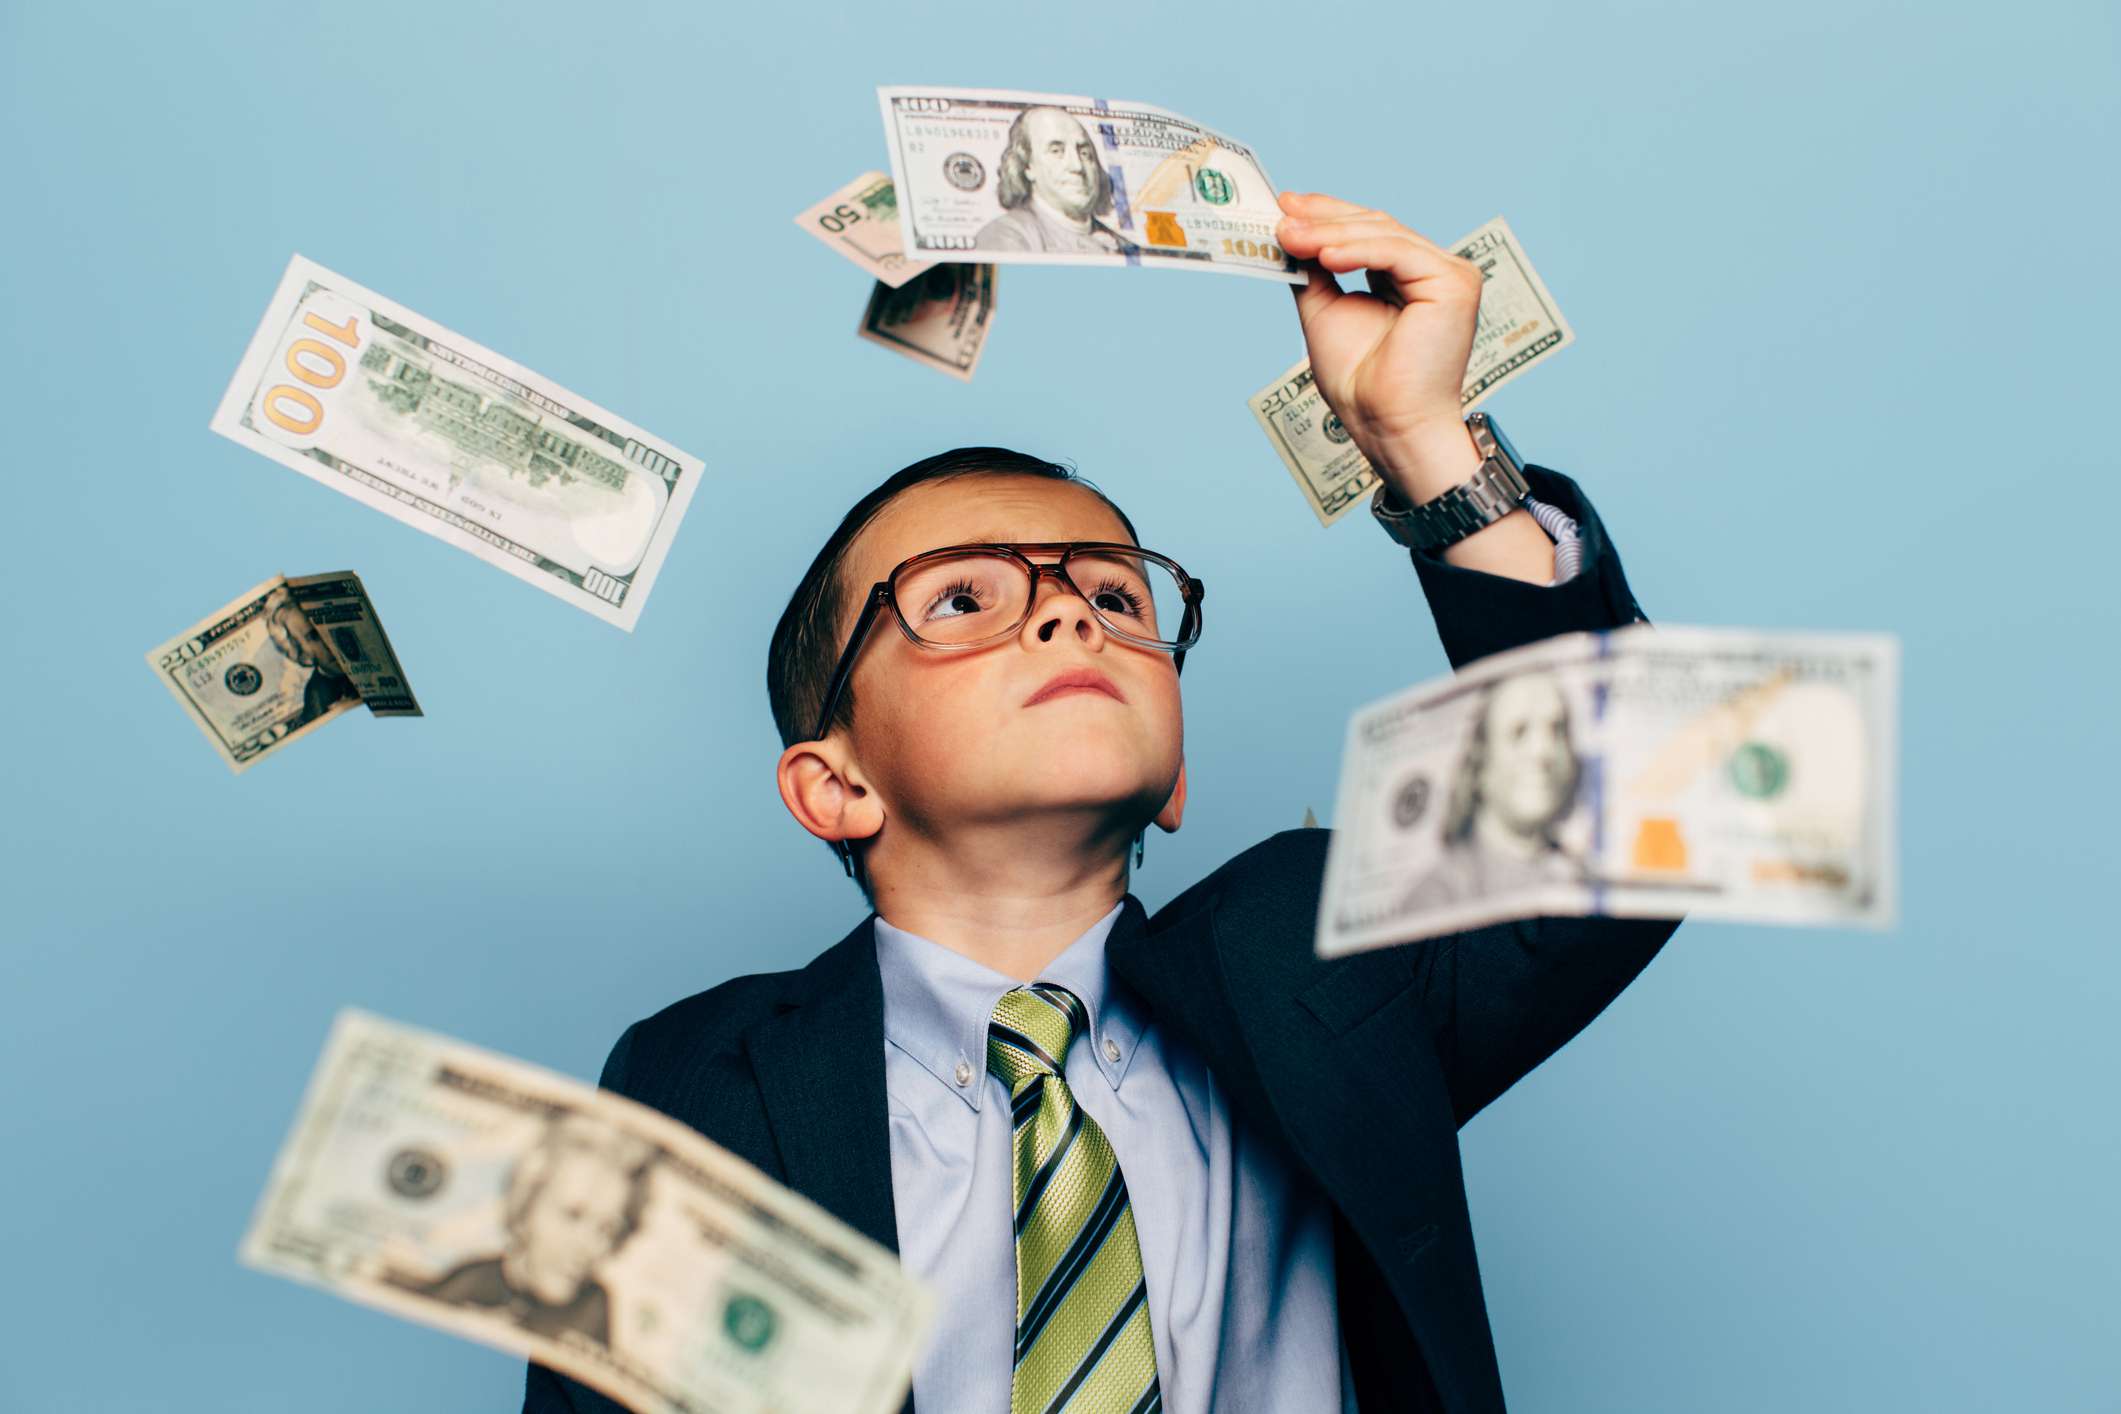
1076,680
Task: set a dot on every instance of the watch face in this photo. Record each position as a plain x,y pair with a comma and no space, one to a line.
1488,436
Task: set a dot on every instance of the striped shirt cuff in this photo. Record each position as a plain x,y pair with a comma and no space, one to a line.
1560,527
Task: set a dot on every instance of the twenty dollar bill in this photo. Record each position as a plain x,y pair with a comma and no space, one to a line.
939,319
336,608
1641,773
1001,176
1519,324
424,425
279,661
504,1203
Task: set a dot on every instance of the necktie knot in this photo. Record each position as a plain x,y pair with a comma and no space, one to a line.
1031,1030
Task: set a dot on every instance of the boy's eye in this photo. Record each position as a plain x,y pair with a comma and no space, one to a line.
955,600
1117,597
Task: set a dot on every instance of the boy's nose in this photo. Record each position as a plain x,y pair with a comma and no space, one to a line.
1060,611
1085,626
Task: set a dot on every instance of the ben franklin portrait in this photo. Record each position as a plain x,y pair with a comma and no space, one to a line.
297,638
1052,189
572,1204
1516,782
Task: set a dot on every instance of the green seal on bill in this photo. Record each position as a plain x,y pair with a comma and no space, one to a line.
1214,188
1759,770
749,1321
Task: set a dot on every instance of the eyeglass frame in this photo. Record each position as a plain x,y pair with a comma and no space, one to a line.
881,595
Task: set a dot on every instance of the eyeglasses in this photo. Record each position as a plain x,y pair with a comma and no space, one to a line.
968,596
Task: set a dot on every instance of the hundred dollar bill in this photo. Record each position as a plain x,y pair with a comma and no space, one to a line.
860,221
1519,324
503,1203
998,176
940,319
260,671
424,425
1641,773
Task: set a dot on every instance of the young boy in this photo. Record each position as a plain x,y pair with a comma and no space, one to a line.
1173,1163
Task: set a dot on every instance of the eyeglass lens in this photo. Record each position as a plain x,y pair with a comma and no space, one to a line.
964,598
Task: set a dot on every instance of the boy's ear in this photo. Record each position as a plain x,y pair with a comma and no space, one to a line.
823,789
1167,818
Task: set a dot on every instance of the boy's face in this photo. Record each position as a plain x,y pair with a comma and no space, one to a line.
953,738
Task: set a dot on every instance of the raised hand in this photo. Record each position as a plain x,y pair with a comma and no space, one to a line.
1390,362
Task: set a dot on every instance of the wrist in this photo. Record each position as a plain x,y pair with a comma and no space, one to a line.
1425,459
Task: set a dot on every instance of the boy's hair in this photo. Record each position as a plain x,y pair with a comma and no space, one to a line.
806,642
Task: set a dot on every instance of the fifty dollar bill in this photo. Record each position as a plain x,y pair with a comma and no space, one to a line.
424,425
506,1204
1001,176
1641,773
860,221
1519,324
279,661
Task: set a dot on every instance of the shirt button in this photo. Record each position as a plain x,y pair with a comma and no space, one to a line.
1112,1050
964,1073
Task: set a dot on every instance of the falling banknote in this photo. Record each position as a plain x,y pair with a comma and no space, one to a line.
1641,773
940,319
860,221
503,1203
1001,177
1519,324
394,410
280,661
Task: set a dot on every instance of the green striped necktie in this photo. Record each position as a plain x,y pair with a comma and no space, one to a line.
1082,1309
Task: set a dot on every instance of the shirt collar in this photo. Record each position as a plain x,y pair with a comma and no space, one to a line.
937,1004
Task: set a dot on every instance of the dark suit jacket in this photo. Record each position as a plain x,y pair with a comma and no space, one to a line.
1361,1068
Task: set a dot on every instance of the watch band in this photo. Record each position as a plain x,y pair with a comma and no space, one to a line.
1496,489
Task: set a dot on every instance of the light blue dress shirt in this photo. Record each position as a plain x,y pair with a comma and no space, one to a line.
1236,1248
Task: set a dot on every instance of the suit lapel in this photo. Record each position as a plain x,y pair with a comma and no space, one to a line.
1171,961
820,1068
1355,1105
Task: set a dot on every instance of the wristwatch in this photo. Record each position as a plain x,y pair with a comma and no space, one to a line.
1493,492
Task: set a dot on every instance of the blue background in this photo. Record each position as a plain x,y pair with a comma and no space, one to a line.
1842,276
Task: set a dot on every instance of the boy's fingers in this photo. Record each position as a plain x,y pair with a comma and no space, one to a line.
1313,232
1392,249
1304,239
1315,294
1406,263
1317,204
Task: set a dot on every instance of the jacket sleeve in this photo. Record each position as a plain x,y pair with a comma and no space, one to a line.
1478,614
545,1392
1502,999
618,1064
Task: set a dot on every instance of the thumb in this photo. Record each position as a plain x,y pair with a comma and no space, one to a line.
1316,294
